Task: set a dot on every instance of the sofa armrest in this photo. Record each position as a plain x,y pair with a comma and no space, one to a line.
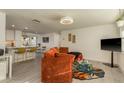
57,65
65,60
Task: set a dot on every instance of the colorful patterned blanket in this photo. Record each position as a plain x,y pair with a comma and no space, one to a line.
85,71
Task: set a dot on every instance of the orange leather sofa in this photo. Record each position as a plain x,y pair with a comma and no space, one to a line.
63,49
56,67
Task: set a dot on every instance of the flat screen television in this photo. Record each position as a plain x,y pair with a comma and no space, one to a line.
113,44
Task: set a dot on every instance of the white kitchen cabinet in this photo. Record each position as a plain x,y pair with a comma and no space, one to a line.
3,69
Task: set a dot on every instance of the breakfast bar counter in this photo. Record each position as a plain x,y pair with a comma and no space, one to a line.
20,54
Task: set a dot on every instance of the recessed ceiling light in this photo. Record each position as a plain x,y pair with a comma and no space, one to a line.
13,25
66,20
26,28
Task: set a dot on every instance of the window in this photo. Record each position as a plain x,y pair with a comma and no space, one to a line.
33,41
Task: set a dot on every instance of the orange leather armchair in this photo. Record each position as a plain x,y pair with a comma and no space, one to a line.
57,67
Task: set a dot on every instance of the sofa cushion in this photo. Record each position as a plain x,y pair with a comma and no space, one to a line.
55,50
51,52
59,54
63,49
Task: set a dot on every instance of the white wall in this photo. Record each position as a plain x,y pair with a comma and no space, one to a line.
53,40
88,41
38,39
2,29
56,39
18,38
120,55
9,35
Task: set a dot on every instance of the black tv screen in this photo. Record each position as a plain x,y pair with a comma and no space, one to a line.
113,44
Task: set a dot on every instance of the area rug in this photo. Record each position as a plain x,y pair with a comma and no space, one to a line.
86,71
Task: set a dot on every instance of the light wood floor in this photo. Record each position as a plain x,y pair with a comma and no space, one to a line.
30,72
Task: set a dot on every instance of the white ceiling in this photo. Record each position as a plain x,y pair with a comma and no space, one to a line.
49,19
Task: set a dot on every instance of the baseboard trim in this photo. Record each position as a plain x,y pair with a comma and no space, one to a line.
105,63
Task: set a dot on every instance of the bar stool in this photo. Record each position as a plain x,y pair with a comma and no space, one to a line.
20,54
31,53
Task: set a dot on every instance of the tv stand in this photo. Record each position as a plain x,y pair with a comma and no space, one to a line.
112,64
112,61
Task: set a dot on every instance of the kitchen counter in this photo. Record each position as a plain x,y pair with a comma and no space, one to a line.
28,54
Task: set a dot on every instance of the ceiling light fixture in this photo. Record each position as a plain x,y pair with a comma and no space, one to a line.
13,25
26,28
36,21
66,20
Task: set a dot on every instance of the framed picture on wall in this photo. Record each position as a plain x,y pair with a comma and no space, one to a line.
45,39
69,37
73,38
